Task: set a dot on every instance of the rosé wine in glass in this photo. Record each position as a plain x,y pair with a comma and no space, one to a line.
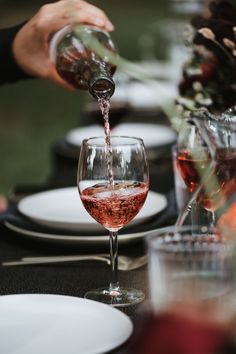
224,170
114,208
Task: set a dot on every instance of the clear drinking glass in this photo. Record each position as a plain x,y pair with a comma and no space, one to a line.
113,204
191,275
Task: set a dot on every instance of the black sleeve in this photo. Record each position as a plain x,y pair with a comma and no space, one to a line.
10,71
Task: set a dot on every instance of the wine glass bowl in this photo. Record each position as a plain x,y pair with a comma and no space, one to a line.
117,207
206,160
219,134
113,198
194,166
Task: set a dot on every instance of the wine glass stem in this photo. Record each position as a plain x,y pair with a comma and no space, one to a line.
185,212
114,283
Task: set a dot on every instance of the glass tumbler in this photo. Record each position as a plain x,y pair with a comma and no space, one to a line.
192,283
191,274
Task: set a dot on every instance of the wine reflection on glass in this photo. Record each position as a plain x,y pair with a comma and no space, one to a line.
114,204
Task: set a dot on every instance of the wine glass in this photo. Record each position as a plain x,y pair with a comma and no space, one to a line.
207,162
196,168
113,192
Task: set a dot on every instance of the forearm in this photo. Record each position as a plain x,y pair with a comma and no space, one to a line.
10,71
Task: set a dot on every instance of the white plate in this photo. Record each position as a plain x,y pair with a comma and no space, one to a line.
153,135
63,209
73,239
56,324
150,95
77,135
80,240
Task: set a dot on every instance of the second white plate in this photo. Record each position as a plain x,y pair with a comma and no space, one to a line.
153,135
36,323
63,209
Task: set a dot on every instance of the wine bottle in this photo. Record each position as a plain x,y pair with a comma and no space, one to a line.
83,57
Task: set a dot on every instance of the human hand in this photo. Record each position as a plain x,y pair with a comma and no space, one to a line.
31,44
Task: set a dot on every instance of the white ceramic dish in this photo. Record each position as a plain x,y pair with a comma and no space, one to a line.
62,209
153,135
150,96
56,324
73,239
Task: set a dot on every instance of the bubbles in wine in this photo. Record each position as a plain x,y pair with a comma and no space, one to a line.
117,207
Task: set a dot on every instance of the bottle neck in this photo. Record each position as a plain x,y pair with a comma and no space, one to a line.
101,86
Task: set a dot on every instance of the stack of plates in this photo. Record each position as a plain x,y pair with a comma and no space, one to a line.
59,215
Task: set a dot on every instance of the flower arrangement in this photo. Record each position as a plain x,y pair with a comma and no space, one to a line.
209,76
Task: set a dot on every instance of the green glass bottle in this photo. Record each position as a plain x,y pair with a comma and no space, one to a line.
83,57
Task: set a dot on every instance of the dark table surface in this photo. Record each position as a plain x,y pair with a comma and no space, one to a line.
72,278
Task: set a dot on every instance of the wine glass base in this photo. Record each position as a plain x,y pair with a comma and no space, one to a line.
121,298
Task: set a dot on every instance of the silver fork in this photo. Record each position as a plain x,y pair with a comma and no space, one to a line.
125,263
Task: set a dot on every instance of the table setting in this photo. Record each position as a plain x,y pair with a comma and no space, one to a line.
53,252
50,259
128,247
63,224
50,299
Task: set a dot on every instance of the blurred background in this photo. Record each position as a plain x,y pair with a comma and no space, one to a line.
34,114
